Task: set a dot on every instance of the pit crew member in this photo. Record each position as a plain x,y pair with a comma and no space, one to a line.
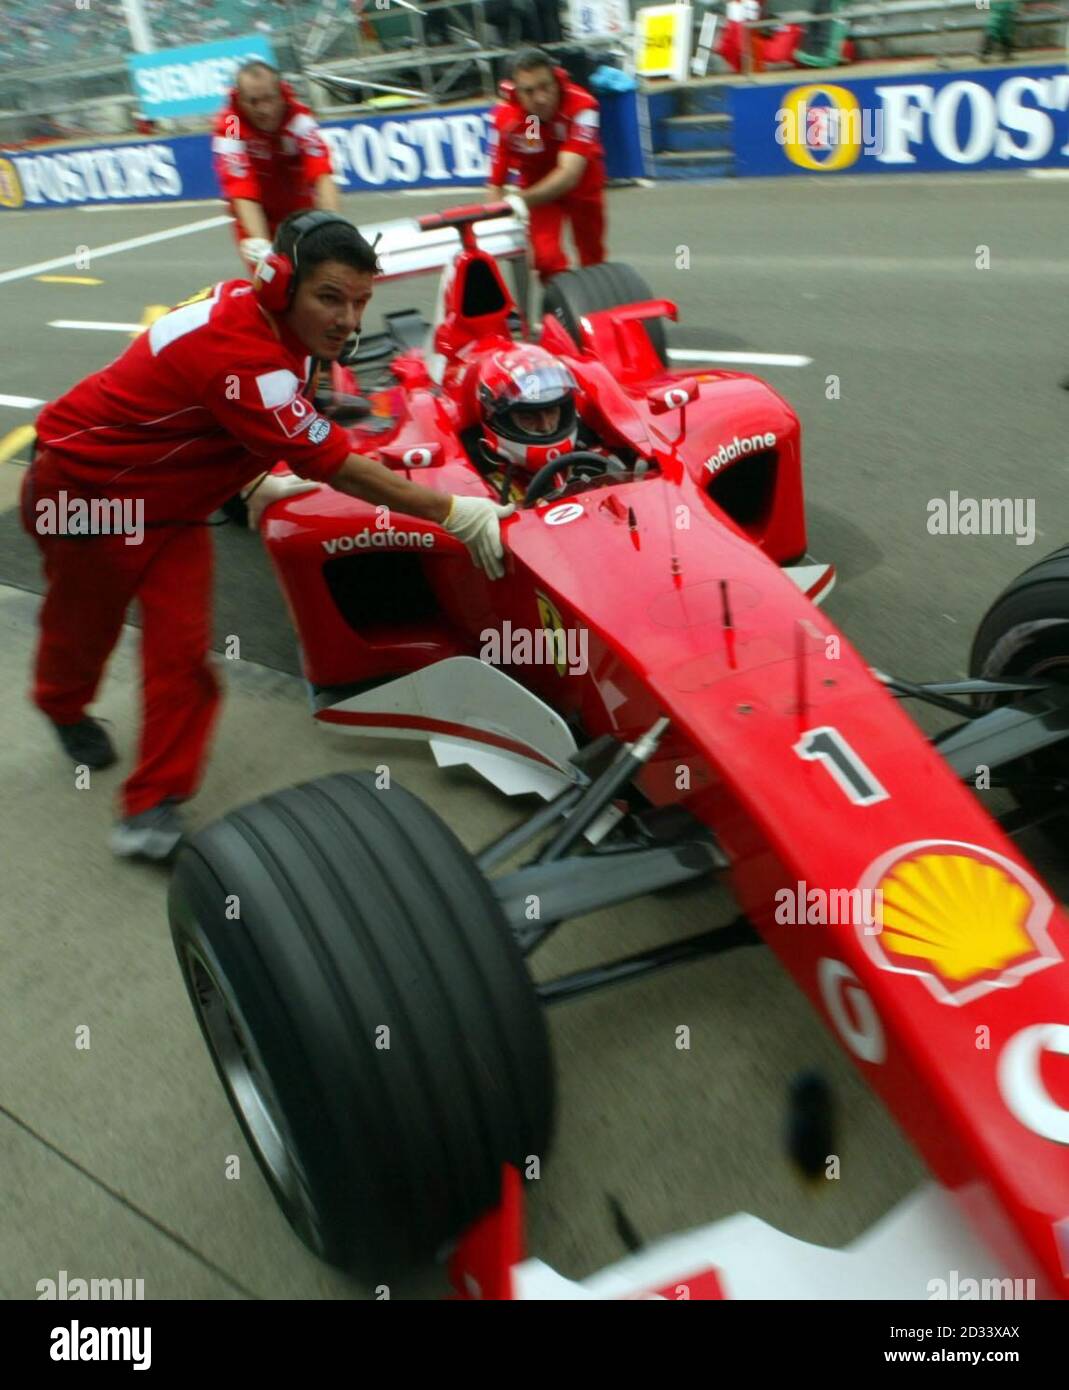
270,158
547,130
194,411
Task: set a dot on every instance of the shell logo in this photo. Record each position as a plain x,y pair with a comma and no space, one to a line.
961,917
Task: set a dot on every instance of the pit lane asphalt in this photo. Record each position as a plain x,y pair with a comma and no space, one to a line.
112,1159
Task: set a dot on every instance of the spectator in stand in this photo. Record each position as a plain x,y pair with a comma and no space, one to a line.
270,158
547,130
1000,29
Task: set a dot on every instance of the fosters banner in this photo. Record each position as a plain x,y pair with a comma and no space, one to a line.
925,122
379,154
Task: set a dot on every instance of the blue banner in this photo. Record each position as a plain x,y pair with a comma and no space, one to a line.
192,81
376,155
991,119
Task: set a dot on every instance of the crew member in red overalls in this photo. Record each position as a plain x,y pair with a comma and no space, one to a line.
547,130
132,461
270,158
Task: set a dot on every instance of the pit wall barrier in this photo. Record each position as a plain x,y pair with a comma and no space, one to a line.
377,154
1009,118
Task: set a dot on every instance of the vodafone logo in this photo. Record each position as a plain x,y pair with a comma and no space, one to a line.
738,448
296,415
676,397
1021,1083
412,455
380,540
852,1011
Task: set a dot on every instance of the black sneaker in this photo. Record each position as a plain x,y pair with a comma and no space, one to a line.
87,743
153,834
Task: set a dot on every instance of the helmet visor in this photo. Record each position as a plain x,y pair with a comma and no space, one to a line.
538,385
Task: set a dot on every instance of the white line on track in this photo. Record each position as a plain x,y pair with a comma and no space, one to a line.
98,326
799,264
21,402
86,254
757,359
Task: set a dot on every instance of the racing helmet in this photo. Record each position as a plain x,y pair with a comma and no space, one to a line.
516,383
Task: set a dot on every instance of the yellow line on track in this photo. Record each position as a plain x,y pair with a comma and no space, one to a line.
151,314
18,439
68,280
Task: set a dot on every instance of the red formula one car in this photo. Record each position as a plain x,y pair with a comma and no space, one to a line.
652,665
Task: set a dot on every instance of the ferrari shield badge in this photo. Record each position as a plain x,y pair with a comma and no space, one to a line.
553,623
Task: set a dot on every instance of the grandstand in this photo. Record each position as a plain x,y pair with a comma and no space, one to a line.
39,33
63,74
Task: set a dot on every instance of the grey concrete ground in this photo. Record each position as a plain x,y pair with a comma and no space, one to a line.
113,1157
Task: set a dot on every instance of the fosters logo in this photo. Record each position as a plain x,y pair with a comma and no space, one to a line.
11,195
822,127
963,918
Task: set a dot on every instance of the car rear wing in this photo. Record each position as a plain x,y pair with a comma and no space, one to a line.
416,245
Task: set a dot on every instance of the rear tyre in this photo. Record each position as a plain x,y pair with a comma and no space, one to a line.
368,1013
573,293
1025,635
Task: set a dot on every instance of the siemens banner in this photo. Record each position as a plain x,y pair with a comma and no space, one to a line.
954,121
192,81
381,154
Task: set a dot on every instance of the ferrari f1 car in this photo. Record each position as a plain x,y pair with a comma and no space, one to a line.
360,977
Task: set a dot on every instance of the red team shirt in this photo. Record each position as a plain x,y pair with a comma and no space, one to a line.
195,408
278,170
519,141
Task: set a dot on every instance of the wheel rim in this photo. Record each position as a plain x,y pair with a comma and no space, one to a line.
251,1094
1050,663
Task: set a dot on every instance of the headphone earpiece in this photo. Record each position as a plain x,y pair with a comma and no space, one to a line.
275,281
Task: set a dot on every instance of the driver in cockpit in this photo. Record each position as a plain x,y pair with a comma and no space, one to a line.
528,417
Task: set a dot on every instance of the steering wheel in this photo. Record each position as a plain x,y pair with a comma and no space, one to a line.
538,487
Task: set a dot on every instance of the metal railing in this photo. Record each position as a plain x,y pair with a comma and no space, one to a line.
68,100
938,18
476,46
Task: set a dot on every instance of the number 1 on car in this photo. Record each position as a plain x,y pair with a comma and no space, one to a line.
827,746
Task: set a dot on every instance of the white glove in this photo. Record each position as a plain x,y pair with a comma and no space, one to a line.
476,522
253,249
518,206
274,488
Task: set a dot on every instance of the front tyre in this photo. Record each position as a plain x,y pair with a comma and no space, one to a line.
1025,635
368,1013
